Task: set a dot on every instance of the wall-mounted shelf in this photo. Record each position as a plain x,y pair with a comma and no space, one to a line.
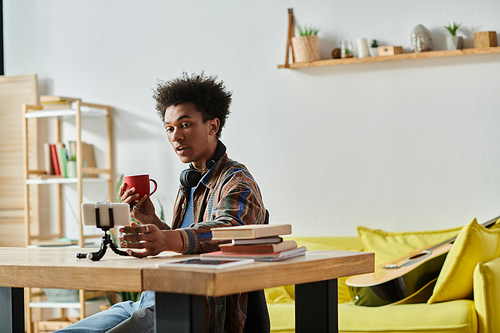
85,111
60,180
349,61
404,56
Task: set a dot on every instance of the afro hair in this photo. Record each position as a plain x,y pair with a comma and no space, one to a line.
210,97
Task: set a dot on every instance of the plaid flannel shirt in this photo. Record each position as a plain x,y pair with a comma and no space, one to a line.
227,195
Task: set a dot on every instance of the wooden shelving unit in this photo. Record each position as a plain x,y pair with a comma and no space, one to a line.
33,177
49,325
404,56
78,110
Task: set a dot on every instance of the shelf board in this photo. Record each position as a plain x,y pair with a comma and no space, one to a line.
85,111
65,305
60,180
404,56
55,243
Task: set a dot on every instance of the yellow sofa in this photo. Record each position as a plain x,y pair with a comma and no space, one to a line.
477,313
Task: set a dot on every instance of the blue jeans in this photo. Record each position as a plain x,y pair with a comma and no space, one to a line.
124,317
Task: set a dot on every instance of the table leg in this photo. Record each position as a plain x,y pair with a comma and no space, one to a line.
179,313
316,308
12,310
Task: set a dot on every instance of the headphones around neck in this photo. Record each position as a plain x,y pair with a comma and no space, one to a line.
191,176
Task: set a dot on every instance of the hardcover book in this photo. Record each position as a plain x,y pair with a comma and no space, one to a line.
258,256
262,240
55,163
60,157
45,99
259,248
251,231
47,159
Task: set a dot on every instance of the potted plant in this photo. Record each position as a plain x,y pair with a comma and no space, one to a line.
374,49
306,47
454,42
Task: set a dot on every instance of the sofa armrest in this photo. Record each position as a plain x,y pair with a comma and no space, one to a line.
487,295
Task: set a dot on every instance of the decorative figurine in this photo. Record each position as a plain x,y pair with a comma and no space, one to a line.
421,39
336,53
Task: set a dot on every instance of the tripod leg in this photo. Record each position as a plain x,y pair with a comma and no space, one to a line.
96,256
105,241
115,249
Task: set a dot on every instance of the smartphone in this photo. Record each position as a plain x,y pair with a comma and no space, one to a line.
119,211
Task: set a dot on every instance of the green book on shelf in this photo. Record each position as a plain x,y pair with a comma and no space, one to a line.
60,158
64,160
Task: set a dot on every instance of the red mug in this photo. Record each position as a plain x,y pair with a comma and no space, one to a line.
141,184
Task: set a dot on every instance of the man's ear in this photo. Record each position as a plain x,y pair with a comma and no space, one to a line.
214,126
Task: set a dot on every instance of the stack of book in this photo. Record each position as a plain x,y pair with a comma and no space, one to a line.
261,242
56,102
60,159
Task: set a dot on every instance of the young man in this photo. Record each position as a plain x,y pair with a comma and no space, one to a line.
215,192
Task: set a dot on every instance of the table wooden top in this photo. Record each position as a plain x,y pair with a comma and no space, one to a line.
58,268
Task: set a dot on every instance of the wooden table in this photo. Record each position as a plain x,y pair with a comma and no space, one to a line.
180,292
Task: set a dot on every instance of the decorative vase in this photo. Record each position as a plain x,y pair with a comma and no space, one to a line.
362,48
306,48
421,39
346,49
454,43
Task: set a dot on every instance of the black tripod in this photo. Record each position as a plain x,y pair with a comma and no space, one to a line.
105,241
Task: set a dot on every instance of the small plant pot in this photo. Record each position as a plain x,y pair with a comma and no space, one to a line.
454,43
306,48
373,51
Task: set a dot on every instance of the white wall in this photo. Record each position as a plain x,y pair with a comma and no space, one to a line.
406,145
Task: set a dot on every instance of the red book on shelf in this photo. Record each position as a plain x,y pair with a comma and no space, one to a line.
55,163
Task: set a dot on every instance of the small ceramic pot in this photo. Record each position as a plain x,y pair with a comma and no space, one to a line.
454,43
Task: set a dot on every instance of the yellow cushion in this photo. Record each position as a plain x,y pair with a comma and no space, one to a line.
474,244
278,295
455,316
334,243
487,295
282,317
347,243
388,246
